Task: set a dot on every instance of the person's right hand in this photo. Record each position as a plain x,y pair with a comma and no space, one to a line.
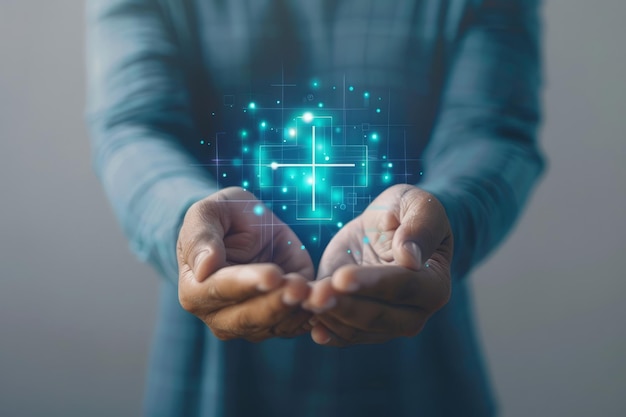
242,271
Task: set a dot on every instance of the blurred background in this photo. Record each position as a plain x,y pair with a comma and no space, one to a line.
77,311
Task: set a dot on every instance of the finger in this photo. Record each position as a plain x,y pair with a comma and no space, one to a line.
321,298
289,252
372,316
200,241
229,285
261,314
423,229
394,285
336,254
333,333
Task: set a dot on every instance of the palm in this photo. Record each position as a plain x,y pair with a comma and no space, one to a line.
367,240
253,234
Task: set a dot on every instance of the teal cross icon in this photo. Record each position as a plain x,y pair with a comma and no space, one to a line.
309,170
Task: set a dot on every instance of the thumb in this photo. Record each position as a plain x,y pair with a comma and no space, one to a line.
201,241
423,228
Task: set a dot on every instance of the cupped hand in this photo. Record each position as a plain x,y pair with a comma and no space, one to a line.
384,273
242,271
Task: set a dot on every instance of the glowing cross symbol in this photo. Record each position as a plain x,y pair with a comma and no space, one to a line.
324,179
313,165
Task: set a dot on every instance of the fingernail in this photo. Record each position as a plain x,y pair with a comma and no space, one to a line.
414,250
289,299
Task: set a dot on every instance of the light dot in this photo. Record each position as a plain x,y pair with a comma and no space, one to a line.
292,133
277,101
245,149
327,158
274,165
307,117
374,136
224,175
384,156
289,242
421,173
366,95
378,110
263,125
284,207
315,84
314,238
349,251
245,184
252,106
302,247
201,142
259,210
310,181
340,225
244,134
284,189
366,240
351,88
320,105
390,165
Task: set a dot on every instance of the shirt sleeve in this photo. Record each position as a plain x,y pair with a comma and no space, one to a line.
483,159
139,115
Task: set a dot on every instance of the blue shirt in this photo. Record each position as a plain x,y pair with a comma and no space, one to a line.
461,77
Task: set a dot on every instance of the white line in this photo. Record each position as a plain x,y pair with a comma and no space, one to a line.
313,168
310,165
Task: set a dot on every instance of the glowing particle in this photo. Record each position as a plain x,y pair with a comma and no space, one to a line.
292,132
421,173
259,210
349,251
310,181
244,134
316,84
374,136
351,88
274,165
224,175
289,242
302,247
263,125
201,142
366,240
284,189
390,165
320,105
252,105
307,117
339,225
245,149
384,156
284,207
277,101
378,110
327,158
245,184
366,94
314,238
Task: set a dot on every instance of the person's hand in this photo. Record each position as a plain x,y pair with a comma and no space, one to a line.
385,273
241,270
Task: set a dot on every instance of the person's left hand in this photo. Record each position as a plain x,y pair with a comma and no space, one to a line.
384,273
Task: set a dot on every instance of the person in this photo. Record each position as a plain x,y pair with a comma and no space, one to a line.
376,318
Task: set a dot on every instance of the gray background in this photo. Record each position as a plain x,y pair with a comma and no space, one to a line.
76,310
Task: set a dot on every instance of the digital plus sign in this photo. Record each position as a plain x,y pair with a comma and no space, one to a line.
309,171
